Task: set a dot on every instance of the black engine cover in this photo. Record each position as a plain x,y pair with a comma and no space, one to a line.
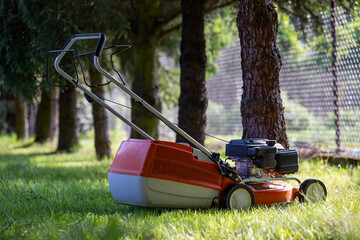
287,161
265,154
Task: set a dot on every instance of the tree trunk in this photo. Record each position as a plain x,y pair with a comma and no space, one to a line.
43,118
21,120
46,117
7,111
68,126
193,97
102,140
145,84
261,105
54,126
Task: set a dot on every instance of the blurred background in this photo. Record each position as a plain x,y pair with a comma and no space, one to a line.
319,117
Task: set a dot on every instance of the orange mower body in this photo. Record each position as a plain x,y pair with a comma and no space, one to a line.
153,173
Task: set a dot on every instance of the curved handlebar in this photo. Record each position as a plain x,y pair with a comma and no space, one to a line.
71,41
84,36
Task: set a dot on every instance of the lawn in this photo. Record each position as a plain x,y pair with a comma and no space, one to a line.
66,196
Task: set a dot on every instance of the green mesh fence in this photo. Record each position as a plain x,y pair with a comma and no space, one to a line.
306,82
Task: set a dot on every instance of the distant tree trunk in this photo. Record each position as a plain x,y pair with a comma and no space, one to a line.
21,120
68,126
43,118
7,111
193,97
145,84
46,117
261,105
102,140
54,127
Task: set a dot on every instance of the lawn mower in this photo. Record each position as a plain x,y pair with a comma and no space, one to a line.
154,173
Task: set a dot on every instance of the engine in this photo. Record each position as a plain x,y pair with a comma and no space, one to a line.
261,158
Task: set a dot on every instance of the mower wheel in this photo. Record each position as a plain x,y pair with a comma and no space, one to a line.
312,190
238,196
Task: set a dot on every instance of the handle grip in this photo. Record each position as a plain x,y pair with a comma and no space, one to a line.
71,41
86,36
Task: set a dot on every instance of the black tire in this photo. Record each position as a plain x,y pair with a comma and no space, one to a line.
237,196
312,190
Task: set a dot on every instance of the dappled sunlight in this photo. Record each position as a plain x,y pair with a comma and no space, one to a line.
68,195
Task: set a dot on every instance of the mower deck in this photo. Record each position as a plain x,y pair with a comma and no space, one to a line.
267,194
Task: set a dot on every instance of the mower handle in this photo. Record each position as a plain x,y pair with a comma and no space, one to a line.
85,36
215,157
91,95
71,41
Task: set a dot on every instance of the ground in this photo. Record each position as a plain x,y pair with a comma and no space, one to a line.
66,196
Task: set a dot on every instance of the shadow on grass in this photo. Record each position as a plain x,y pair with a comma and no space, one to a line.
25,145
67,189
20,166
75,189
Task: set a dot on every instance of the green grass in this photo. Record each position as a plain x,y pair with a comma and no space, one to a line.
66,196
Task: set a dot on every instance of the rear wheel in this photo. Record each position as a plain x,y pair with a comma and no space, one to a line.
238,196
312,190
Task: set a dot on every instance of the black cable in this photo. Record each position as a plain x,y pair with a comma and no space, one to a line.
194,130
112,62
76,56
198,131
124,47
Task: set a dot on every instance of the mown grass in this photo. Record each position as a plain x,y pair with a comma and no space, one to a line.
66,196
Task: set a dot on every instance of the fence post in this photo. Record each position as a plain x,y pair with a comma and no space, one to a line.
335,72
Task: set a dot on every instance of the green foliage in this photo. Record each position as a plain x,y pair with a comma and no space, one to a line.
309,11
220,30
224,119
349,126
34,27
66,196
298,118
169,86
321,44
16,52
347,32
288,38
349,119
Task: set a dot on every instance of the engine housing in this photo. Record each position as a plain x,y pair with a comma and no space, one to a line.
261,153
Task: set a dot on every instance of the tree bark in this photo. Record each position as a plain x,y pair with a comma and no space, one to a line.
145,83
193,99
54,126
102,140
43,118
68,126
261,105
7,111
21,120
46,117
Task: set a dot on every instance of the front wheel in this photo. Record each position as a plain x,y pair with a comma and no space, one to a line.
312,190
238,196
